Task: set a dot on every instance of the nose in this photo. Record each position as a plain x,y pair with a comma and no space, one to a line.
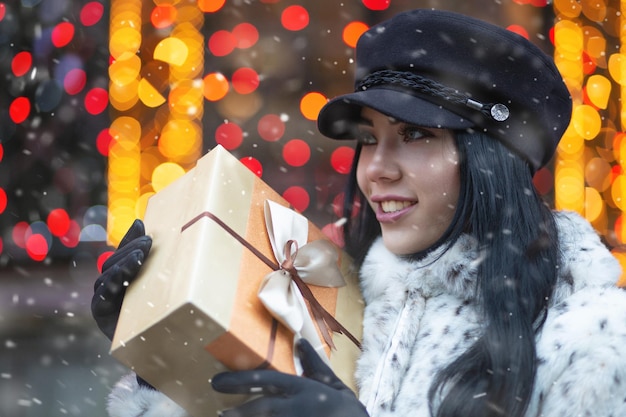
382,163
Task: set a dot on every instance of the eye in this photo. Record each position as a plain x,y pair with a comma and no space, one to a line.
413,133
366,138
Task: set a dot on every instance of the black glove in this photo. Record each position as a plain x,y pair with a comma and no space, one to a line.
319,393
117,273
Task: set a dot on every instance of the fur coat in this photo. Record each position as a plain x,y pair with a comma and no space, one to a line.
424,316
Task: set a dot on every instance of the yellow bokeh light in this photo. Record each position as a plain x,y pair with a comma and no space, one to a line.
571,143
618,192
140,205
171,50
568,8
186,99
617,68
586,121
179,139
598,90
125,69
594,205
148,94
165,174
124,40
125,130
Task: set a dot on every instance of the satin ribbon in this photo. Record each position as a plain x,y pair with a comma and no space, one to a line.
283,291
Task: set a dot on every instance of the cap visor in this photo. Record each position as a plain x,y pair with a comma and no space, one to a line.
339,117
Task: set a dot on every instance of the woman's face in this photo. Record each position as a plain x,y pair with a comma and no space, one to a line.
410,177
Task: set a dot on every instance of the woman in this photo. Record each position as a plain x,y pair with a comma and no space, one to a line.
480,301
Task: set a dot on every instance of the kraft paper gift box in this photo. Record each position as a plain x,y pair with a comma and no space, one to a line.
194,310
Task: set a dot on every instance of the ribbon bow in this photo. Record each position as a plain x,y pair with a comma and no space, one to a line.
283,291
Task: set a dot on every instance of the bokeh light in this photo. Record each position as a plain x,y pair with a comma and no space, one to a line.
294,18
163,15
21,64
91,13
271,127
246,35
210,6
96,100
215,86
19,110
58,222
296,152
229,135
222,43
377,4
62,34
352,32
298,197
245,80
341,159
253,165
311,104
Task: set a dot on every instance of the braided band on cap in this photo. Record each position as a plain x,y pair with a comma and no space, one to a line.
497,111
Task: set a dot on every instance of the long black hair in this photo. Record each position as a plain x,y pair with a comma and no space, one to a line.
500,207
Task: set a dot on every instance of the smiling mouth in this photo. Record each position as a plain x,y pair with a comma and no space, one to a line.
395,205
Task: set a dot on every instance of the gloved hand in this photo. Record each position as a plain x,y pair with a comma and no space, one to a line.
117,273
318,393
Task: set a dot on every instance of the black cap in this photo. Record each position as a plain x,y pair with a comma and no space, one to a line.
440,69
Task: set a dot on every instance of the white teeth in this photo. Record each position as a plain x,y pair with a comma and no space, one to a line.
391,206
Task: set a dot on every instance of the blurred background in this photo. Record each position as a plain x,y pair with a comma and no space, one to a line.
106,102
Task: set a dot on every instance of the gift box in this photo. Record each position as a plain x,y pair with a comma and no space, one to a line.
195,308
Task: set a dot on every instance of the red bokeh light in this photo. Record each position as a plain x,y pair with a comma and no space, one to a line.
21,63
341,159
222,43
229,135
253,165
520,30
37,247
245,80
103,142
91,13
543,181
96,100
589,64
294,18
3,11
19,110
58,222
3,200
298,197
377,4
102,258
296,152
334,233
18,234
74,81
1,151
246,35
163,15
72,237
62,34
271,128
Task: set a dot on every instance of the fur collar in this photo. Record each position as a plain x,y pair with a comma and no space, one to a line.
454,271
